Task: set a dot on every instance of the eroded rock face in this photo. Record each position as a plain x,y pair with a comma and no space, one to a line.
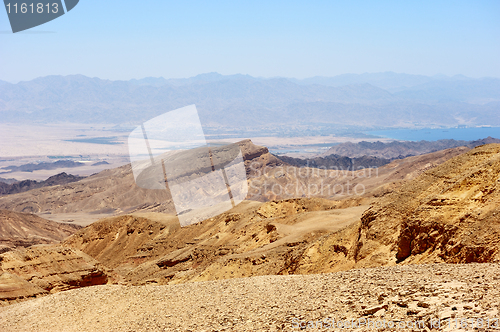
13,287
40,269
251,239
449,214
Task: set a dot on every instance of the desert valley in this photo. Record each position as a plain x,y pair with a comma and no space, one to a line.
237,166
415,239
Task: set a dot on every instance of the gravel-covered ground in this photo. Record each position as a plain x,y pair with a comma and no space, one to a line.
398,295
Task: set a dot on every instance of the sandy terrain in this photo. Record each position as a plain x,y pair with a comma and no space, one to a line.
81,219
23,144
87,170
398,295
30,140
20,144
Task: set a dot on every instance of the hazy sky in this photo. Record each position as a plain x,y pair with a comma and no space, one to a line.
134,39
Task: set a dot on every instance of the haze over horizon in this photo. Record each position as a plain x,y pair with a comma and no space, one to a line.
437,76
120,40
240,101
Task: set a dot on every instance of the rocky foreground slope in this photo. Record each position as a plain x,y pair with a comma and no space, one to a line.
410,298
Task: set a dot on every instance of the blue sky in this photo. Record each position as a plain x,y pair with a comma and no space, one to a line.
133,39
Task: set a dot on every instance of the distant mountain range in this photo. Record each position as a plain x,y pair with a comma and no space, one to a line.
198,79
244,102
418,87
395,150
41,166
389,81
336,162
353,156
10,187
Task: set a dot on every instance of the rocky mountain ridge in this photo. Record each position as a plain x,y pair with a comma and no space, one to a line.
115,190
15,187
400,149
236,103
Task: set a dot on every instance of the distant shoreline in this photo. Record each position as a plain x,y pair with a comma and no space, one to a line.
435,134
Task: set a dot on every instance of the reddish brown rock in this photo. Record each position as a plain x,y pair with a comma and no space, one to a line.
53,269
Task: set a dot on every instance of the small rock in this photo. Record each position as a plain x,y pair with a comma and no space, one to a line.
423,304
372,310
